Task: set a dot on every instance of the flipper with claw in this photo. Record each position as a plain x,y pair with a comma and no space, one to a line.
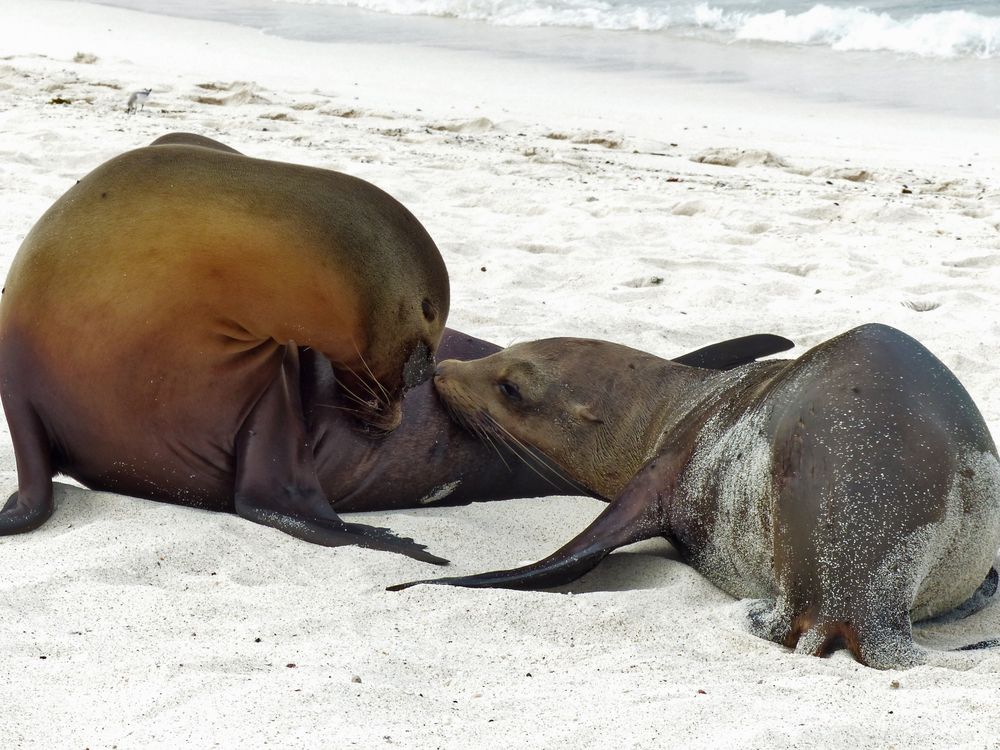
633,516
32,504
276,482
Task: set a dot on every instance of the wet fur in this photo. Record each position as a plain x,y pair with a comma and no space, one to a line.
844,491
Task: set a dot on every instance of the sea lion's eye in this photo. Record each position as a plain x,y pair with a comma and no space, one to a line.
509,390
428,309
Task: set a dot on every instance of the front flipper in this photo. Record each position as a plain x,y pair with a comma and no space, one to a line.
633,516
32,504
276,482
726,355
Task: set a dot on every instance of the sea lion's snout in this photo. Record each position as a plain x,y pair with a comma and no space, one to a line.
389,418
419,367
443,368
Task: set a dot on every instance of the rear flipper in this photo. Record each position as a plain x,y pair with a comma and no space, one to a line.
884,645
32,504
881,641
982,596
276,482
978,646
632,517
726,355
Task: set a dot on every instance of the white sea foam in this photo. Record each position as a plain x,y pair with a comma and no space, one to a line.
945,34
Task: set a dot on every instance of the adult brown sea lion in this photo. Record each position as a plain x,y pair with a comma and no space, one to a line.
171,443
846,491
152,322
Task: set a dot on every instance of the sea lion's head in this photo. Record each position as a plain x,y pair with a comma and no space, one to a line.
383,281
404,322
586,406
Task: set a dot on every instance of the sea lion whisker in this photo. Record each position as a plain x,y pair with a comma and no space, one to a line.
539,458
489,440
385,393
476,426
375,396
546,463
349,410
367,404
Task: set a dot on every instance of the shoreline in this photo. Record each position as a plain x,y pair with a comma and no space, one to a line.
908,83
660,213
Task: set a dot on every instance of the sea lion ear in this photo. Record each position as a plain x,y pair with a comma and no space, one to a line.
586,414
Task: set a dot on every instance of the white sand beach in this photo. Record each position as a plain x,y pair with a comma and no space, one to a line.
657,212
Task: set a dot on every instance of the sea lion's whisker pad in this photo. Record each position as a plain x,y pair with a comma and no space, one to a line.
531,457
848,492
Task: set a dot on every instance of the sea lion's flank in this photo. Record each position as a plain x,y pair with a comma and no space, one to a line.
152,323
847,491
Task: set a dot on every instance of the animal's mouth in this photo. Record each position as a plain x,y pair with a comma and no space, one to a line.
384,418
369,402
462,407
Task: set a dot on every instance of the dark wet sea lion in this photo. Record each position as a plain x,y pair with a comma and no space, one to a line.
151,325
846,491
155,435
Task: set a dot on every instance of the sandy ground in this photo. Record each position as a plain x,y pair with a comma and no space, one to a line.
652,212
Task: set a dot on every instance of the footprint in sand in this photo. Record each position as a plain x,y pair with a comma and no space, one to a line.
349,113
796,270
229,94
979,261
818,213
590,138
919,305
479,125
851,174
540,249
739,239
643,281
738,157
689,208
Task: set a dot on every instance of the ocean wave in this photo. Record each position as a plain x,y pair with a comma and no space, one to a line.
955,33
945,34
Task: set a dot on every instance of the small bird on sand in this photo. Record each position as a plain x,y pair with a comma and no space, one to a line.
137,100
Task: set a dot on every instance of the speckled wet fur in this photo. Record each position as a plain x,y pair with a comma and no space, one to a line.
844,492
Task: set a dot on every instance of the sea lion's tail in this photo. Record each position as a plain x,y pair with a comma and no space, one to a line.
632,517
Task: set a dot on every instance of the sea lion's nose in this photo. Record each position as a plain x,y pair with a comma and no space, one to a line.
443,368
